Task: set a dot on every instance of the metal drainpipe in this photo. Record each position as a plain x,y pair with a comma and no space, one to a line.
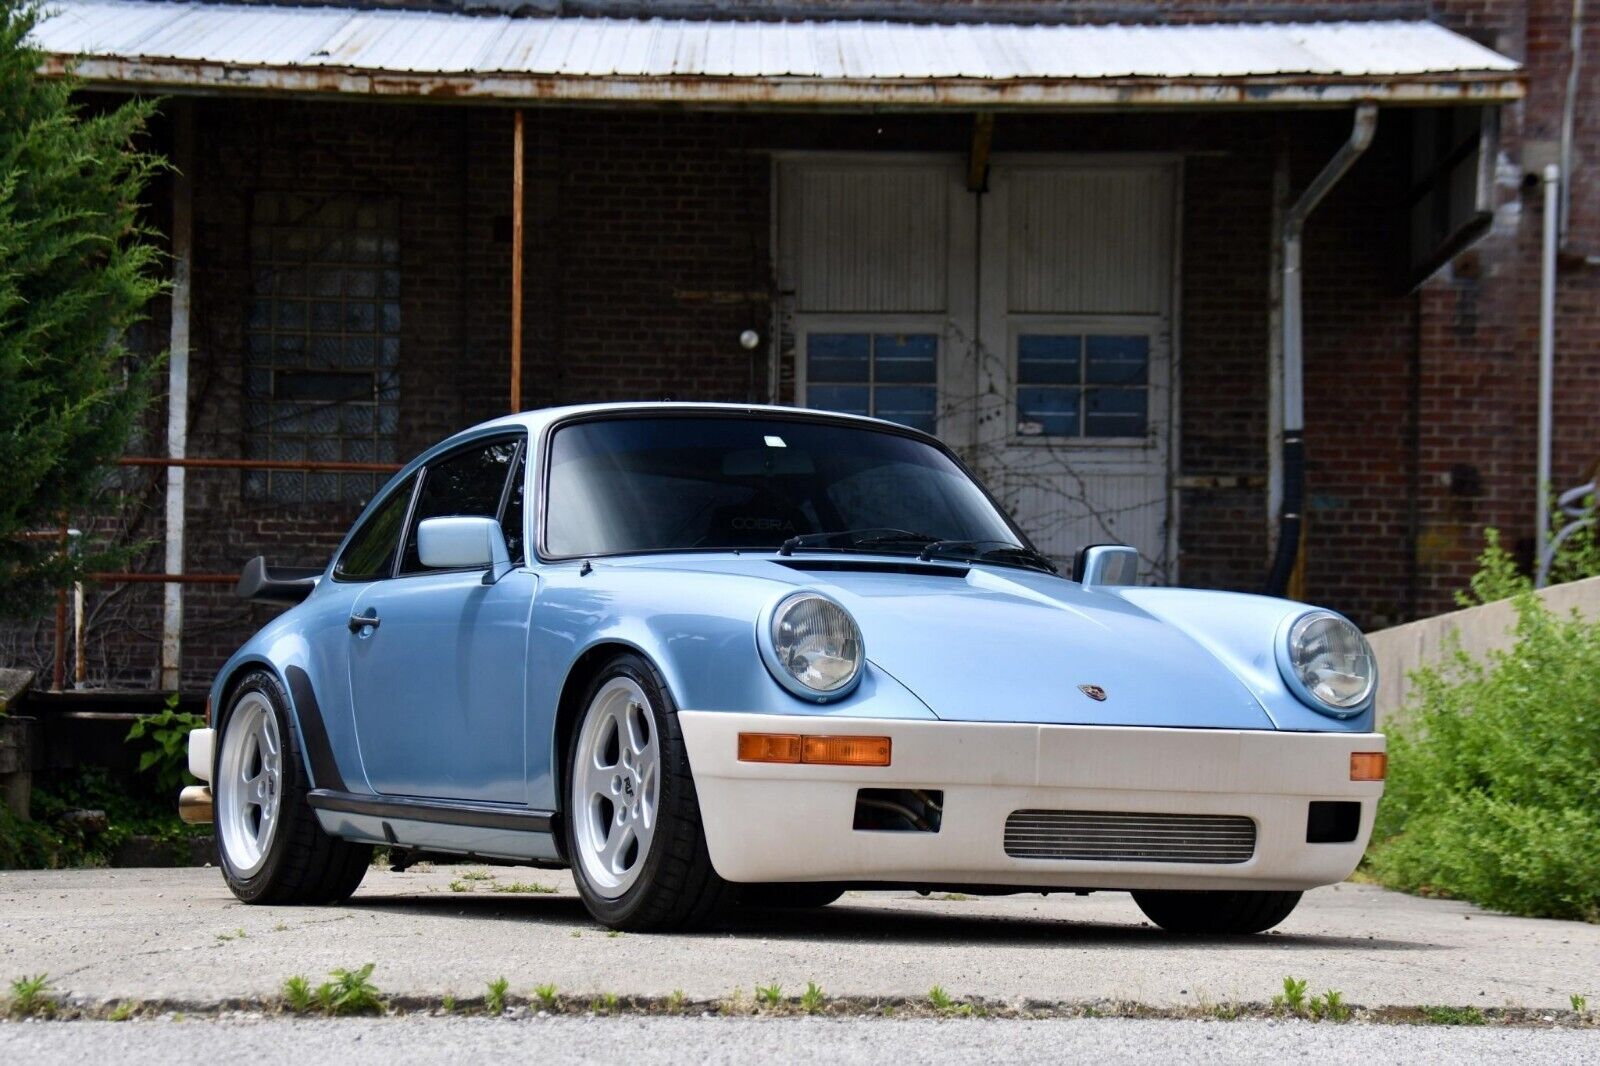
1294,419
178,394
1569,112
1547,362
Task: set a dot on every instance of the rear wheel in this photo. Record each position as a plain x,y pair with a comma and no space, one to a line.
634,836
1216,912
272,849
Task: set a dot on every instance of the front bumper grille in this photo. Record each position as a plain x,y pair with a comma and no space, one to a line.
1120,836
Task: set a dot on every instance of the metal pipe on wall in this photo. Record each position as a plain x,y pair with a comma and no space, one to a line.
177,392
1569,112
516,260
1547,364
1292,378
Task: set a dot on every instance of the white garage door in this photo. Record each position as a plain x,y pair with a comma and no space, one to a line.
1029,326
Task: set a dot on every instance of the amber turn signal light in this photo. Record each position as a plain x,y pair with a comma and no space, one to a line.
1368,765
830,751
769,747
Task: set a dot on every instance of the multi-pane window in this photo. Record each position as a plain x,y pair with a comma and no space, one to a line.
323,336
1083,384
887,375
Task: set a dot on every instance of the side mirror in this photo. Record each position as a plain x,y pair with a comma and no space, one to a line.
1106,565
464,543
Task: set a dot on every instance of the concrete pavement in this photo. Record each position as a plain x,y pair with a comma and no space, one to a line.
847,1041
178,935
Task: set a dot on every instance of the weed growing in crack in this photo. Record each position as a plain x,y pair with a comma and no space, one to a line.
494,1001
813,998
31,998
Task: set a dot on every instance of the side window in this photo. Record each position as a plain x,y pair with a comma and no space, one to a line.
511,512
469,482
370,554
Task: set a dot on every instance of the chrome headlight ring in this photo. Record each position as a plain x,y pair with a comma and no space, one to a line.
1327,663
812,646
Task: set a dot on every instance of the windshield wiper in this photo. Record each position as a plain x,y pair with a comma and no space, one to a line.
973,550
856,538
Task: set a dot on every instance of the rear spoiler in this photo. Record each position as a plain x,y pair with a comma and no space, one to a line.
281,585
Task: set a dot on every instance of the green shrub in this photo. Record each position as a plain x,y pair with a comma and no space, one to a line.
1494,766
163,744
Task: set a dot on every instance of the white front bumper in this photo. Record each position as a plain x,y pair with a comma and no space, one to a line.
789,822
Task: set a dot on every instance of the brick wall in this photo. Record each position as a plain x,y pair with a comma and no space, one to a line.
647,254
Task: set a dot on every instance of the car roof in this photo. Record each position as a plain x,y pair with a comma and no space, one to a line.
536,421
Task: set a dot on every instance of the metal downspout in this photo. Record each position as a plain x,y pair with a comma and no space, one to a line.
178,394
1293,398
1547,361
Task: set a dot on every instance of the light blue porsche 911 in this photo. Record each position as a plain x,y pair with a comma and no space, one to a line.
705,655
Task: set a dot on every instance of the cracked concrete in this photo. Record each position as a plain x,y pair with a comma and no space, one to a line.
179,935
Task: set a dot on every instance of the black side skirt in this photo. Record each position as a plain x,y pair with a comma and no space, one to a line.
444,812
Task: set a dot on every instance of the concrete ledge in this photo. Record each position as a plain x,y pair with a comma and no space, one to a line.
1402,649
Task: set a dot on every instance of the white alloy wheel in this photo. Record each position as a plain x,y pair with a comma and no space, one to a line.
249,788
616,787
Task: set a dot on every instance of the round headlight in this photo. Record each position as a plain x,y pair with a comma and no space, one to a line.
1331,661
815,646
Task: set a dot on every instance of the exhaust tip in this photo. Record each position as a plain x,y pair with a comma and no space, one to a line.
194,805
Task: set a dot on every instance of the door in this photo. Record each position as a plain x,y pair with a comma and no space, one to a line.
876,279
1029,326
1076,384
438,672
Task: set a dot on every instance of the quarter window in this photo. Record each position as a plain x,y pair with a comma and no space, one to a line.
892,376
370,554
471,482
1082,385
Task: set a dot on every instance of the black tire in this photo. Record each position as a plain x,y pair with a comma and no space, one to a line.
1216,913
677,888
799,895
303,864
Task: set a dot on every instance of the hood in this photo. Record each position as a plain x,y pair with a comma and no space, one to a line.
998,644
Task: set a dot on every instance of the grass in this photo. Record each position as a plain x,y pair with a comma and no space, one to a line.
237,934
939,999
121,1012
546,994
605,1003
675,1001
1329,1006
771,995
297,994
31,998
527,887
349,992
448,1004
1580,1004
813,998
494,1000
1454,1015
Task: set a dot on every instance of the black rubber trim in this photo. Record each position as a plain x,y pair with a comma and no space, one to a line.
324,770
444,812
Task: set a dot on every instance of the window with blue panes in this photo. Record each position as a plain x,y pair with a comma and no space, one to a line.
893,376
1083,384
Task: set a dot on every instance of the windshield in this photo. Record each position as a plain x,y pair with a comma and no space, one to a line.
703,482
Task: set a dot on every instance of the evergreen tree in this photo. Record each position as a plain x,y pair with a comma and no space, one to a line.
77,266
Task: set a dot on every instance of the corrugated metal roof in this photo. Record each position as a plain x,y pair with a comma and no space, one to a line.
267,47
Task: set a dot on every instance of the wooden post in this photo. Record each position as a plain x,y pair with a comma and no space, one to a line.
516,261
58,679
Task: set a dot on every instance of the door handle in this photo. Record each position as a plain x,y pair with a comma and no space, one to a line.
358,622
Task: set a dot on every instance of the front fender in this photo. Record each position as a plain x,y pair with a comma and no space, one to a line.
1243,631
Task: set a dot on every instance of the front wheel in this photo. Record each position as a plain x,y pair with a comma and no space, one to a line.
633,831
1214,913
271,847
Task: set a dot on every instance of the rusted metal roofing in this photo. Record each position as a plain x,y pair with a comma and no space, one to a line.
229,47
